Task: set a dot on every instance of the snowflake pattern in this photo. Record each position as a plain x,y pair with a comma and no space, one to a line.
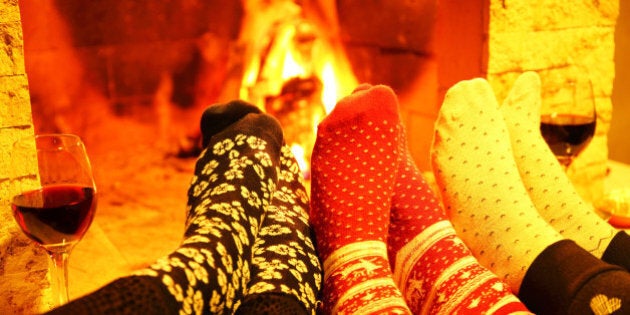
285,260
233,182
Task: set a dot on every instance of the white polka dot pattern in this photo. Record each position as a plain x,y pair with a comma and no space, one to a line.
548,186
353,172
434,269
480,185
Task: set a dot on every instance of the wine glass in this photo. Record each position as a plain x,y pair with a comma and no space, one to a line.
568,120
55,209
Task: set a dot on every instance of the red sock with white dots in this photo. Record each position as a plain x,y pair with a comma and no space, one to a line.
353,175
435,271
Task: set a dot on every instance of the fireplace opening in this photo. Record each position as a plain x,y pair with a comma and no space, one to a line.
132,79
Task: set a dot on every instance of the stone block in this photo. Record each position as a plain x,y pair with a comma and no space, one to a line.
516,51
525,16
15,108
8,169
12,52
9,11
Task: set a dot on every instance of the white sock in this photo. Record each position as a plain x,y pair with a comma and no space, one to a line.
550,189
480,184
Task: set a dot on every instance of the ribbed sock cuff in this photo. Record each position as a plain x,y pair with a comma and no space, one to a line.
618,251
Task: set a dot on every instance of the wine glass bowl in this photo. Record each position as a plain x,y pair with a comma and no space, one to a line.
56,209
568,121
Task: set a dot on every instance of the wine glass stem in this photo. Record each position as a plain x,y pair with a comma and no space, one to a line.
59,276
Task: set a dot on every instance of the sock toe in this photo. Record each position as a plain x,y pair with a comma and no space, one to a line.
365,102
217,117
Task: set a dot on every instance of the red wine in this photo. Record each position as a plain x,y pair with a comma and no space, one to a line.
57,214
567,135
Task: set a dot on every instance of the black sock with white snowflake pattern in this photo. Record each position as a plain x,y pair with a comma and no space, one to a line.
234,181
286,272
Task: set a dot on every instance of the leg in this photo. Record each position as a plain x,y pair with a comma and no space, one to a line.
286,272
480,184
548,186
353,173
432,266
234,180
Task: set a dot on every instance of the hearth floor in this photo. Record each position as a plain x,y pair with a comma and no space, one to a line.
141,206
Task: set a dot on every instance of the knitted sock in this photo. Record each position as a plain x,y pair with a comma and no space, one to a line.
548,186
286,272
480,184
566,279
234,179
435,271
127,295
353,173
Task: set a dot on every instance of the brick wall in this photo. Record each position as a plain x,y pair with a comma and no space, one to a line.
558,40
499,40
23,266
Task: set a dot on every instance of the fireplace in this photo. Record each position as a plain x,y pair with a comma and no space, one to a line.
103,70
132,77
157,64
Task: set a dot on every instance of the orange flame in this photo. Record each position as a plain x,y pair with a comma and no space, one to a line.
285,59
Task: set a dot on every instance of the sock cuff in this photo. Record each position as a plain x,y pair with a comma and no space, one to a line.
617,251
272,303
217,117
557,275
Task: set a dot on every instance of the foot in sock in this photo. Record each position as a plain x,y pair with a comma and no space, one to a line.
286,272
480,184
234,180
548,186
353,174
435,271
235,177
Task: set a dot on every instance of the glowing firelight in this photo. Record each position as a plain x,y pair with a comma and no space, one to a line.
300,157
329,90
299,77
291,68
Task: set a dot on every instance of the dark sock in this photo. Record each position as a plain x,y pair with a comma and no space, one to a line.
566,279
618,251
217,117
235,178
270,304
286,272
128,295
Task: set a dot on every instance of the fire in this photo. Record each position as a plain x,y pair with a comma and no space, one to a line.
291,68
298,78
329,91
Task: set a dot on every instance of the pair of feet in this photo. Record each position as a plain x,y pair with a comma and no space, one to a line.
247,245
503,188
386,243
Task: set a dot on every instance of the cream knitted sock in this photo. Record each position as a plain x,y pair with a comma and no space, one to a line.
548,186
480,184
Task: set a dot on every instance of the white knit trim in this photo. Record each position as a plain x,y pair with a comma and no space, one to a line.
351,252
